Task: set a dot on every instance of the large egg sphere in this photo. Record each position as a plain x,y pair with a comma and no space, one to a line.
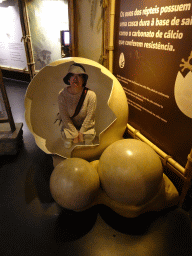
74,183
130,172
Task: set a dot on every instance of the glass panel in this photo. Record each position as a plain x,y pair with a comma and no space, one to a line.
47,18
12,51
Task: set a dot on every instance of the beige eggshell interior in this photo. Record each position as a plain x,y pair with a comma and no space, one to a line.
41,108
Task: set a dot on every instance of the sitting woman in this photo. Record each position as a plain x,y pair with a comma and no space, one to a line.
77,105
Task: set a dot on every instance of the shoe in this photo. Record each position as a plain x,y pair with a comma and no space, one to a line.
68,144
88,142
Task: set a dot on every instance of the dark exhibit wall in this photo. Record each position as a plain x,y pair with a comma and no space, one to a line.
153,62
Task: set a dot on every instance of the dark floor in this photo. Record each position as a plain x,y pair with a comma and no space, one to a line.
31,223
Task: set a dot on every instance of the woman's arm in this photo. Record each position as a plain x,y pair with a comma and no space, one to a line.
69,128
89,121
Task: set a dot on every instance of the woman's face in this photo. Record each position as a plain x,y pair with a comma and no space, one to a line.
76,80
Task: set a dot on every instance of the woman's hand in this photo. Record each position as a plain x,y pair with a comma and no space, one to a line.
80,137
76,140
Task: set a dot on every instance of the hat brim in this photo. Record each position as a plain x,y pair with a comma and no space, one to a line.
67,77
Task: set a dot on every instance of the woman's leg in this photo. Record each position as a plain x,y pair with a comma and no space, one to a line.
67,142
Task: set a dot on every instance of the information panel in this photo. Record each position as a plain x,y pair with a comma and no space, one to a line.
153,62
12,50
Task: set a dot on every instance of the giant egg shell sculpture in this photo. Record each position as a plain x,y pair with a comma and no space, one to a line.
41,108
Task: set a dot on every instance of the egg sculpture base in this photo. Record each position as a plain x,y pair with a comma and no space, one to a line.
128,178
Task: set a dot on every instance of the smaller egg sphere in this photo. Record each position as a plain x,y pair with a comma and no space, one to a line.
130,172
74,183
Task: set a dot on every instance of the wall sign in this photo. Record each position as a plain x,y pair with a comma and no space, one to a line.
12,50
153,62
